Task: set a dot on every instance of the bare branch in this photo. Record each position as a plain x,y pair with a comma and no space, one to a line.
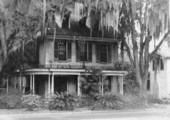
160,43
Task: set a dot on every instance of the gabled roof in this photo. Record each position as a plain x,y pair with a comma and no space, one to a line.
165,53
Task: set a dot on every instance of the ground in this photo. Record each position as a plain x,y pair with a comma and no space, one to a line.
158,112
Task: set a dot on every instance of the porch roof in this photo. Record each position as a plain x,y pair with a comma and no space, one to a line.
46,71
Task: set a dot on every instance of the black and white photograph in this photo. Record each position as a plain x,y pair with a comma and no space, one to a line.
84,59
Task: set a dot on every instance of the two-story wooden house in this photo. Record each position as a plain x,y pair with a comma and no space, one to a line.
64,57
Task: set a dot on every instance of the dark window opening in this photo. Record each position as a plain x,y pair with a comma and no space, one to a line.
159,65
84,52
62,50
162,64
148,82
103,52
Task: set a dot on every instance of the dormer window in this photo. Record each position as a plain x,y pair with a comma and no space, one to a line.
62,50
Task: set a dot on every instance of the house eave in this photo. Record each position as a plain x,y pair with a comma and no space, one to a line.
85,38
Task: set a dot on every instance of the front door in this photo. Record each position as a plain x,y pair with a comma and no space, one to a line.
60,84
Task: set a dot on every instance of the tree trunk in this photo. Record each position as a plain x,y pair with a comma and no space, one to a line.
3,42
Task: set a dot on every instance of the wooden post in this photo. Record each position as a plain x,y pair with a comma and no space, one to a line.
49,85
121,84
52,84
79,85
33,85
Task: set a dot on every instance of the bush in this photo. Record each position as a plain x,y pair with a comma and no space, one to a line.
134,101
85,101
108,101
131,85
11,100
31,102
63,101
91,83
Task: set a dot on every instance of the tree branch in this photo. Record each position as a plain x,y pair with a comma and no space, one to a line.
160,43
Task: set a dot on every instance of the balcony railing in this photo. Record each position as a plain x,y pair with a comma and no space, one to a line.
117,67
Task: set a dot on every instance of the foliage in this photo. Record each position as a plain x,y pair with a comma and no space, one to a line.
91,83
108,101
131,86
139,26
134,101
63,101
11,100
86,101
31,102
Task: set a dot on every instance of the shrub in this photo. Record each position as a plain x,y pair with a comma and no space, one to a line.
131,85
85,101
91,83
108,101
152,100
11,100
63,101
31,102
134,101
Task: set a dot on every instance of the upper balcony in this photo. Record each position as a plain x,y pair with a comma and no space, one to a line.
78,50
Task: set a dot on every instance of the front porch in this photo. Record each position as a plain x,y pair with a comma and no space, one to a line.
45,82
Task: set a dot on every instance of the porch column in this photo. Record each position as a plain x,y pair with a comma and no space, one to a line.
49,85
30,82
33,84
114,85
79,85
120,79
52,84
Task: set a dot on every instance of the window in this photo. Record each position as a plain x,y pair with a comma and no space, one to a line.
62,50
159,64
84,51
103,51
148,82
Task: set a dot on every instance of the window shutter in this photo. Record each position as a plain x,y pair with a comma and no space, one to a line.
69,51
109,53
90,52
56,50
97,53
77,52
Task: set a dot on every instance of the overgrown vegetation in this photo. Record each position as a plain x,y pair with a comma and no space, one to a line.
91,83
108,101
31,102
131,86
63,101
12,100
